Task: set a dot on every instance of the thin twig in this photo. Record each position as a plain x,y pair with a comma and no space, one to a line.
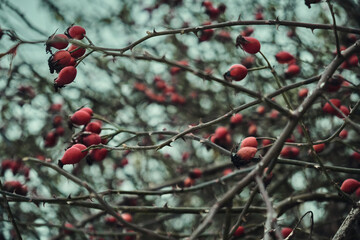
11,216
105,205
276,148
335,31
271,221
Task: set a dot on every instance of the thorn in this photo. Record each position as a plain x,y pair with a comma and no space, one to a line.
37,204
239,17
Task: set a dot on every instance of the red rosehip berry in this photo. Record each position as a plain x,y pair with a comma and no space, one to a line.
81,147
252,130
285,232
76,51
342,48
185,156
94,127
350,185
58,41
207,4
67,229
291,33
124,162
57,120
355,156
274,114
221,132
268,177
303,92
66,76
249,142
284,57
88,110
246,153
176,70
292,71
351,38
127,217
289,152
59,60
72,155
248,44
260,110
334,83
223,36
344,110
195,173
236,72
319,147
50,139
98,154
327,108
352,61
60,131
239,231
110,220
76,32
72,62
343,134
214,139
236,119
248,61
188,182
206,34
92,139
55,107
177,99
247,31
357,192
15,187
295,152
266,142
80,117
227,171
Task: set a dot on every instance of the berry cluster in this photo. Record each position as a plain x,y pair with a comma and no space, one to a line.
89,136
111,220
165,92
15,187
240,231
246,152
328,108
193,175
284,57
222,137
290,152
16,166
353,60
51,138
64,61
238,72
213,12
